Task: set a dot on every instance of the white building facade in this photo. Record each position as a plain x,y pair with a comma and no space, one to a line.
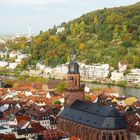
134,76
95,71
117,76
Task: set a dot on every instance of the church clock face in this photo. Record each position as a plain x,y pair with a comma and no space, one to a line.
72,68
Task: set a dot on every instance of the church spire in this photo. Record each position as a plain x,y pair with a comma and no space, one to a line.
73,54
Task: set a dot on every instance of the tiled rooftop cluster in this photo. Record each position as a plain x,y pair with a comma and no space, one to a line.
27,112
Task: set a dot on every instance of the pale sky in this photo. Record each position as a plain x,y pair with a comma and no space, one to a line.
16,15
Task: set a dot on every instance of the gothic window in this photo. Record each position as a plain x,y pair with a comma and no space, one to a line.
117,136
110,136
104,137
75,82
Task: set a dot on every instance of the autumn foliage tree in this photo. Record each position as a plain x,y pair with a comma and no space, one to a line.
102,36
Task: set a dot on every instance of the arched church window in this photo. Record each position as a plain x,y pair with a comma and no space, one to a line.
71,78
75,82
110,136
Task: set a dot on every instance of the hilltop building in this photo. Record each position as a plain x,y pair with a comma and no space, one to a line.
88,121
60,29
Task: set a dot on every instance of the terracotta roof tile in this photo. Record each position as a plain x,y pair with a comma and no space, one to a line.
19,118
7,137
37,127
22,123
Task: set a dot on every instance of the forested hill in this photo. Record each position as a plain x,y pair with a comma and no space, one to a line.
102,36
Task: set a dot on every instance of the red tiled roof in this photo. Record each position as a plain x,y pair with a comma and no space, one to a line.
120,107
137,104
54,134
7,137
22,123
108,90
73,138
93,97
14,111
133,121
19,118
37,127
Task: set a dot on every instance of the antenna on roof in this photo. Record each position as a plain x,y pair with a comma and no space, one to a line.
29,31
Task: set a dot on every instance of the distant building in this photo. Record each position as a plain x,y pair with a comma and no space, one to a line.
21,57
12,65
122,66
13,54
134,76
35,73
48,72
95,71
3,54
60,29
3,64
117,76
40,66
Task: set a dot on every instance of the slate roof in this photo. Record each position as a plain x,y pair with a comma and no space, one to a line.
94,115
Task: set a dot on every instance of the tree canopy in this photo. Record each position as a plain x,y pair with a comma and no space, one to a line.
102,36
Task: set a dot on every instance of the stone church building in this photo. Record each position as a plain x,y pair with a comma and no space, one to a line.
88,121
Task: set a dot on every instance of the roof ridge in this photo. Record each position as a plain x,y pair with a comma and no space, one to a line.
93,113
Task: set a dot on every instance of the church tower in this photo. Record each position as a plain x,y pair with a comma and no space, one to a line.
74,92
73,75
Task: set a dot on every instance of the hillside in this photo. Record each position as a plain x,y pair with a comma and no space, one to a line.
102,36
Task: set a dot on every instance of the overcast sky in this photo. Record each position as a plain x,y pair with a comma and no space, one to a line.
16,15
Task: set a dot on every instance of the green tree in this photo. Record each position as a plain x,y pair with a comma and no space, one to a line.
61,87
57,102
